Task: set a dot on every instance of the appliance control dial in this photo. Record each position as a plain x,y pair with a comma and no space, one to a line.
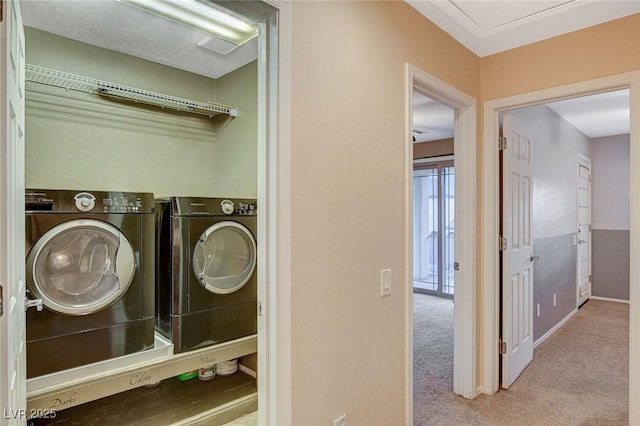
227,206
85,202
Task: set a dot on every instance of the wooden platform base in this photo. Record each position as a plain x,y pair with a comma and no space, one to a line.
171,402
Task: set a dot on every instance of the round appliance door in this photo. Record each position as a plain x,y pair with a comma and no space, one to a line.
81,266
224,257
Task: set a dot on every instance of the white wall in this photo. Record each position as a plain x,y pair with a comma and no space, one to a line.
555,147
610,182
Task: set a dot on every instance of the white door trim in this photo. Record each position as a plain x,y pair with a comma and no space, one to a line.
274,214
464,374
489,209
582,161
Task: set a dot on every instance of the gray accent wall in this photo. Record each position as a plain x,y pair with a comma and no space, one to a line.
610,217
556,145
610,266
554,273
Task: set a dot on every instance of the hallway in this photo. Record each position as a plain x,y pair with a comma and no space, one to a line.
579,375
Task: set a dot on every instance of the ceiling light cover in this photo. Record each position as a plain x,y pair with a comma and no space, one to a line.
206,17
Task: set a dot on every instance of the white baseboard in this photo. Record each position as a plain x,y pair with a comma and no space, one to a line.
554,328
607,299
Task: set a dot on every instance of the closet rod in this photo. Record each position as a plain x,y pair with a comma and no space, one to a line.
68,81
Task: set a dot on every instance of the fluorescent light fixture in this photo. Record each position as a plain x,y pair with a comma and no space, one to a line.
206,17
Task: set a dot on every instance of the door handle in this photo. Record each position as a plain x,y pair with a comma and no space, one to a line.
582,241
533,258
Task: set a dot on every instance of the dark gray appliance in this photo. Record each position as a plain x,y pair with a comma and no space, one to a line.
90,259
206,270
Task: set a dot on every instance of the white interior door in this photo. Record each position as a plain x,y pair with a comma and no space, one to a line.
584,229
517,256
12,262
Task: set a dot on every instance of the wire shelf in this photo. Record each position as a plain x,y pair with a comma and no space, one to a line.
49,77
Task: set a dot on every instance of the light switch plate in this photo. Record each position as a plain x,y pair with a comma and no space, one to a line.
385,282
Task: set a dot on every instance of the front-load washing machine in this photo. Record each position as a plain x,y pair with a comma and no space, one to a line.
206,270
91,261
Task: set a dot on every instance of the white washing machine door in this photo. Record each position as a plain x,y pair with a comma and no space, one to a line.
224,257
81,266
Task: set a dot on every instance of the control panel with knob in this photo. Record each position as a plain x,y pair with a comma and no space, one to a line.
85,201
227,206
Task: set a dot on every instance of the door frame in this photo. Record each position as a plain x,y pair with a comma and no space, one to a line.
274,229
489,209
465,344
584,161
274,192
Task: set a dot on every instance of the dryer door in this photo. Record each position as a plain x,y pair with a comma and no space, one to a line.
224,257
80,266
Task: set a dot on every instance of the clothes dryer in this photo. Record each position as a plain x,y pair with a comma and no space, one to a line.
206,278
90,260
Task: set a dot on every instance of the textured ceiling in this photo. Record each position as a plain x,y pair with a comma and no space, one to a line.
113,25
600,115
431,120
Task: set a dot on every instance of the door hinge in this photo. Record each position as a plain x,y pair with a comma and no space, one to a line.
456,266
502,243
502,143
502,347
259,309
1,301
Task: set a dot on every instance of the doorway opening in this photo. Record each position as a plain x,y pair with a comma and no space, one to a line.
493,109
433,254
464,315
546,225
272,135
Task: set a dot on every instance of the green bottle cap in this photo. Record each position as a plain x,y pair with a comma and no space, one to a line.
187,376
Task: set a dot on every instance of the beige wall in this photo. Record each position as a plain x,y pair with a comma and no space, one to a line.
605,49
348,198
82,141
347,207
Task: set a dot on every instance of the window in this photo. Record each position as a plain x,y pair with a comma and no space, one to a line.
433,228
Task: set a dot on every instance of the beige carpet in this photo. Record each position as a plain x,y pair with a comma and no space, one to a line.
579,375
